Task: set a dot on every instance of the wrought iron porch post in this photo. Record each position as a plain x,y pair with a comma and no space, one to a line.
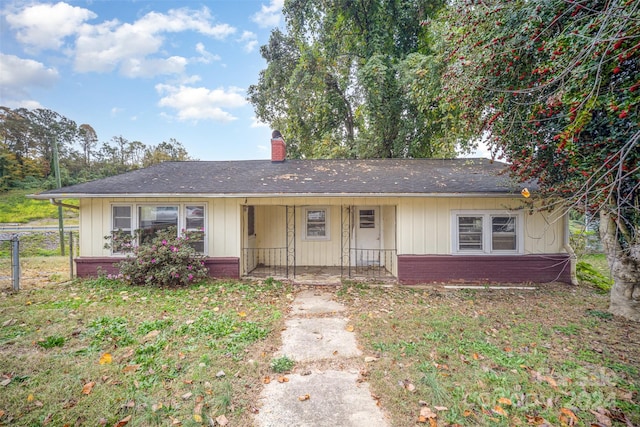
291,239
345,234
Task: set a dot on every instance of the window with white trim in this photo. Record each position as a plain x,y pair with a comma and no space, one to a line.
316,224
121,229
148,219
194,225
486,232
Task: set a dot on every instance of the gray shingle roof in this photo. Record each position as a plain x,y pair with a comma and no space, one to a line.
303,177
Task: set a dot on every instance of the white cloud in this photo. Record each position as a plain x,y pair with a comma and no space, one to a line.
116,111
44,26
136,49
200,103
133,67
104,47
269,16
250,41
17,75
205,56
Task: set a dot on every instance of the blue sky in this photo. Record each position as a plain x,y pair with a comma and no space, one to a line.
146,70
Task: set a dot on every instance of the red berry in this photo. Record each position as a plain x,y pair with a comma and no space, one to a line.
623,114
616,70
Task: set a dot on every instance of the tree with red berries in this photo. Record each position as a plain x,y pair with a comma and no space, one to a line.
554,87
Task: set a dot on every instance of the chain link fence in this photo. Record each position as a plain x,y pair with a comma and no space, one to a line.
32,258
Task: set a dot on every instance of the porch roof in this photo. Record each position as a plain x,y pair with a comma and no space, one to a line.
261,178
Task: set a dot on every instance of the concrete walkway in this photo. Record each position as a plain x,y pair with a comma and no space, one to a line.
325,388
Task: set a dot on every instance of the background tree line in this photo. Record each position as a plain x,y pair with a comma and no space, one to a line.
27,150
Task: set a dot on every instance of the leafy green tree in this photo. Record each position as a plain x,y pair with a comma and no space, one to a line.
554,88
339,82
88,141
165,151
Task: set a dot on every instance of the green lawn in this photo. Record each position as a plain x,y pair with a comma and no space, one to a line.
498,358
97,352
16,208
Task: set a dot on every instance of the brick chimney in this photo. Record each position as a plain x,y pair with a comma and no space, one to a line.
278,147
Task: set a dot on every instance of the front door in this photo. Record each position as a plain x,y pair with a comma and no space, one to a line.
367,236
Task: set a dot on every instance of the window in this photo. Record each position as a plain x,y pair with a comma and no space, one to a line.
152,219
316,224
251,220
503,233
147,220
194,224
121,231
486,232
470,233
367,218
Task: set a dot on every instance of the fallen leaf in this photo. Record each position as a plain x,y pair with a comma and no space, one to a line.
427,412
535,420
220,374
304,397
156,406
187,396
9,322
370,359
30,398
123,422
551,381
350,328
105,358
266,380
440,408
197,410
1,413
505,401
130,368
5,382
602,418
197,418
242,314
499,410
222,420
283,379
86,389
567,417
467,413
46,420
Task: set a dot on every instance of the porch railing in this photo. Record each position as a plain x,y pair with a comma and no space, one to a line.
265,261
373,262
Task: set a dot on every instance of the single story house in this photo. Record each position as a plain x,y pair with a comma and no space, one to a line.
412,220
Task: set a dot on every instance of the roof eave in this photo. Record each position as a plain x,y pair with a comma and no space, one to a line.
261,195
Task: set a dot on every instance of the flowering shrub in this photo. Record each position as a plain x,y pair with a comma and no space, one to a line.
165,260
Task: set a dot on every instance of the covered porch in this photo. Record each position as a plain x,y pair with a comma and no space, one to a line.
319,242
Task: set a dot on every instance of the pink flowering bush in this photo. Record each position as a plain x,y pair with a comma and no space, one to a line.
166,260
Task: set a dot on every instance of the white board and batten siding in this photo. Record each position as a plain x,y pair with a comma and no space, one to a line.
223,223
424,224
412,225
